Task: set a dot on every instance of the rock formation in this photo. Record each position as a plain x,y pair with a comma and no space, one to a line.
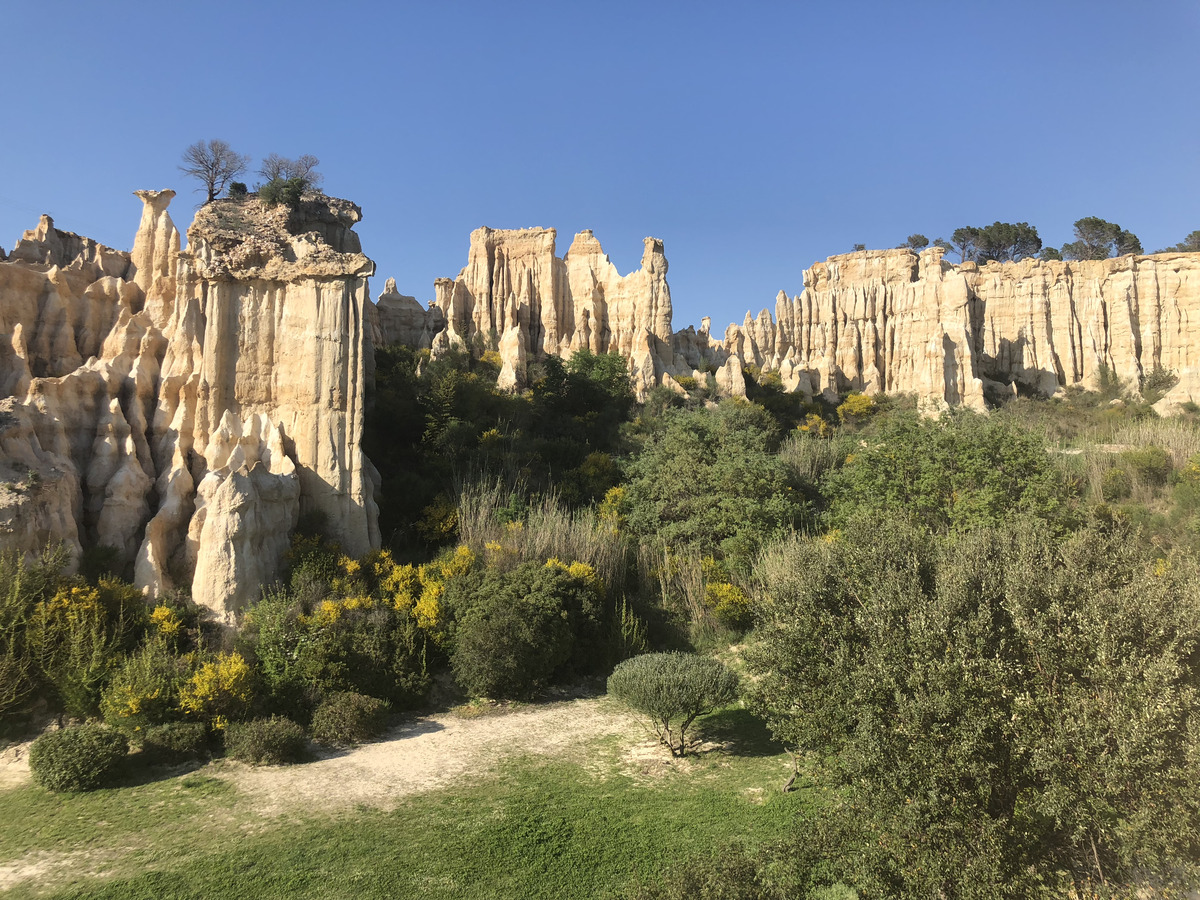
517,297
875,321
185,408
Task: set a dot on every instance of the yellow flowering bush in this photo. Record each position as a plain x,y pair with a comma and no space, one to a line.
166,622
610,510
439,520
580,570
856,406
729,604
144,691
814,424
218,690
74,646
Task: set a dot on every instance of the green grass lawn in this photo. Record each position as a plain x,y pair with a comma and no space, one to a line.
541,827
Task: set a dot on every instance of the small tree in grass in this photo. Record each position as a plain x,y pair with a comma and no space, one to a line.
673,690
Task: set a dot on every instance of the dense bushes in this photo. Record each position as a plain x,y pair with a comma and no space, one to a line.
175,742
712,480
347,625
961,470
287,191
346,718
77,758
673,690
517,630
993,707
144,690
273,741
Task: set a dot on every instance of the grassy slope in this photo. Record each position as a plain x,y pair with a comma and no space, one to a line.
542,827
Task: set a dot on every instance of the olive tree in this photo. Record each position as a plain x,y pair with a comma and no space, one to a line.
1001,712
215,164
672,690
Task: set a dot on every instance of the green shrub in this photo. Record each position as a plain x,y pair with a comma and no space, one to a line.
358,644
732,874
712,480
673,689
287,191
990,709
1150,465
144,691
272,742
175,742
516,630
78,758
1157,382
1116,485
75,645
961,470
238,190
347,718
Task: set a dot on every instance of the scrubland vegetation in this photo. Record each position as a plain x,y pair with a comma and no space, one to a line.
978,638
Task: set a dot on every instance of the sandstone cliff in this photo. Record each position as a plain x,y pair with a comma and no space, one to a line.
185,408
875,321
516,296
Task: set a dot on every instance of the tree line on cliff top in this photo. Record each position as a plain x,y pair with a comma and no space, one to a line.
1095,238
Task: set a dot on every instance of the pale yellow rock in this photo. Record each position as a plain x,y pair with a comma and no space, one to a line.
402,320
156,244
517,297
246,507
184,409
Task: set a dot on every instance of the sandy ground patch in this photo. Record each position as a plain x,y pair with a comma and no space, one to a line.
423,754
14,765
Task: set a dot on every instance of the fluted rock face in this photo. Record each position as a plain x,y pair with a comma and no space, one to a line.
900,322
875,321
186,408
516,296
885,320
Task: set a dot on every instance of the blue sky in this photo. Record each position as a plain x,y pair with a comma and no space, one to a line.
753,138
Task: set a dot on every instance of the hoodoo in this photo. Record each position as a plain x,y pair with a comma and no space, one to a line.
185,408
890,321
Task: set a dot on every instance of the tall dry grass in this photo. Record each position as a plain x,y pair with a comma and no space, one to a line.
810,457
491,516
1179,437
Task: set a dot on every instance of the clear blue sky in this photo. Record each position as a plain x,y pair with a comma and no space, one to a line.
752,138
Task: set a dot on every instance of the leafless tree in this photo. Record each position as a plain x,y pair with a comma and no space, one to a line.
303,167
215,164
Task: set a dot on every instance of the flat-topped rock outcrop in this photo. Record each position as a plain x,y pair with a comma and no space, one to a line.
185,408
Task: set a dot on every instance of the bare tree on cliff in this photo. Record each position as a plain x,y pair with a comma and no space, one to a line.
276,167
215,163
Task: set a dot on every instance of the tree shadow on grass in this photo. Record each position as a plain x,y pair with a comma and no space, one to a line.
739,732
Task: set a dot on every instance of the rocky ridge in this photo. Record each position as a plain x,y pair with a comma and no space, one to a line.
185,408
890,321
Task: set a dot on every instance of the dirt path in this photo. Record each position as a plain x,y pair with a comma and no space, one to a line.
422,754
426,753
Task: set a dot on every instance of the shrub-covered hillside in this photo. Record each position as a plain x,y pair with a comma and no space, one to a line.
980,634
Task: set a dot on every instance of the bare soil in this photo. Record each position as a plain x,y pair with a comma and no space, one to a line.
426,753
421,754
